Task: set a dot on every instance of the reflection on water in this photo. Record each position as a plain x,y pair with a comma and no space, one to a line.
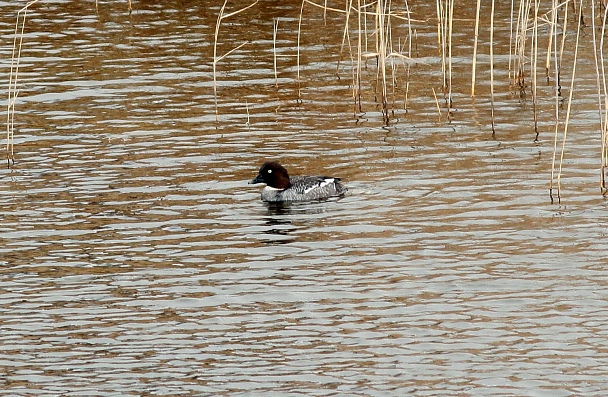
136,260
279,228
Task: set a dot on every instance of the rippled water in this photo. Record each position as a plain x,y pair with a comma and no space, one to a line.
136,260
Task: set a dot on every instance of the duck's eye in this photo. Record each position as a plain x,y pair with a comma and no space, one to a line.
270,171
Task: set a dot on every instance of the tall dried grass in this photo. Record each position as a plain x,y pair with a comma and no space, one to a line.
526,59
375,23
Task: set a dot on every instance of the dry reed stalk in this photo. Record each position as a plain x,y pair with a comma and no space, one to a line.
523,15
357,65
561,49
605,118
437,103
513,64
275,27
511,36
535,65
492,69
216,59
13,78
391,58
450,28
409,54
386,58
384,53
602,91
345,37
409,28
552,31
361,23
557,95
298,50
441,41
362,10
381,48
407,88
445,12
599,94
325,8
568,110
474,67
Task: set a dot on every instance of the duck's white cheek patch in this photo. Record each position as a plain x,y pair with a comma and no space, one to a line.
322,184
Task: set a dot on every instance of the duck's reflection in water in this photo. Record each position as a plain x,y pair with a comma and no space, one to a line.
285,218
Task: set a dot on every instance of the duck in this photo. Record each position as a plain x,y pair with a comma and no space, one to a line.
280,187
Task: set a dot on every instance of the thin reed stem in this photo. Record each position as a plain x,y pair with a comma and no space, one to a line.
492,69
603,109
221,16
568,111
358,70
13,91
552,32
437,103
381,44
441,41
275,27
450,29
556,106
535,66
345,37
511,36
298,49
474,67
562,46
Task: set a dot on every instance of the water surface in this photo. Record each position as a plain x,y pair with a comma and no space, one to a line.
136,260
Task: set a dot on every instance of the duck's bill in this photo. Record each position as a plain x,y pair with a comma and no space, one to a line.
257,179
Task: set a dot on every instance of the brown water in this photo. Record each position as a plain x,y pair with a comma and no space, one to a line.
136,260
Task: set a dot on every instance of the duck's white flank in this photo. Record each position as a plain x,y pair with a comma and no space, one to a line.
325,182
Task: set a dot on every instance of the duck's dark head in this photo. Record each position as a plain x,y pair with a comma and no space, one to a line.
273,174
